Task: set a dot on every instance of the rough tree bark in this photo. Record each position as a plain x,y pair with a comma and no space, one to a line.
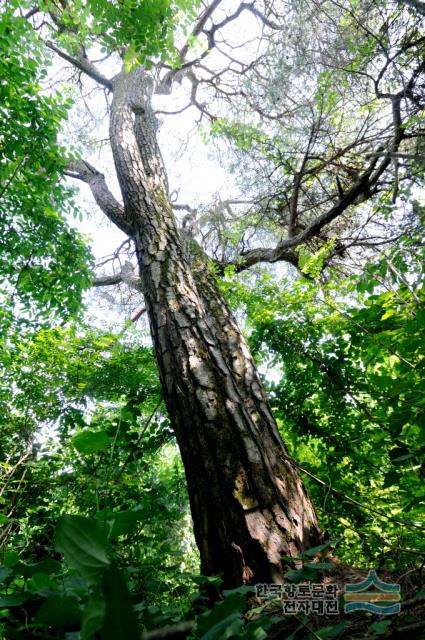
249,505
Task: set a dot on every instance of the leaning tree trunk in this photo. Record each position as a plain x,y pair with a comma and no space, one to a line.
248,503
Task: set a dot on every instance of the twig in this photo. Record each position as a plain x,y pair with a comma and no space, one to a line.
13,176
354,501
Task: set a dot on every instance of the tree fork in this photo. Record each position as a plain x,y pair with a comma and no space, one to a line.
248,503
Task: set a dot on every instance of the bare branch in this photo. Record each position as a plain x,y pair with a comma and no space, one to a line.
31,12
107,281
284,250
138,314
183,207
164,87
199,27
126,276
82,63
82,170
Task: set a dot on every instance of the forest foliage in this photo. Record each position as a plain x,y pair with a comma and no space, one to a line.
95,531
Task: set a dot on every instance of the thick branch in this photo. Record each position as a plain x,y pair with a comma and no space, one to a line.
31,12
126,276
255,256
183,207
107,281
82,63
82,170
284,250
138,313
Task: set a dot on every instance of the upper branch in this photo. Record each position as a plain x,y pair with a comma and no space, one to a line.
107,281
164,86
31,12
199,27
82,63
110,206
284,250
126,276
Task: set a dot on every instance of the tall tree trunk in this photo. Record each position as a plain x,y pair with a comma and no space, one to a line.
249,505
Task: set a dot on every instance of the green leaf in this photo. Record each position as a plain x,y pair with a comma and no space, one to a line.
226,628
243,589
84,546
215,581
93,617
59,611
257,629
319,566
5,572
121,523
332,631
10,558
39,582
321,547
13,600
120,620
380,627
87,442
48,566
223,620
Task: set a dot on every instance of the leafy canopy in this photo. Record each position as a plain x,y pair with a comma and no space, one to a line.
142,31
44,262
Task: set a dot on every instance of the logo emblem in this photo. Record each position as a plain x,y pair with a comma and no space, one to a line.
372,594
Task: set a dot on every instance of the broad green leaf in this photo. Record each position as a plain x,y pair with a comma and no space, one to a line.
320,566
39,582
84,545
226,628
93,617
321,547
120,523
379,628
10,558
300,575
59,611
224,618
48,566
87,442
13,600
120,620
332,631
5,572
